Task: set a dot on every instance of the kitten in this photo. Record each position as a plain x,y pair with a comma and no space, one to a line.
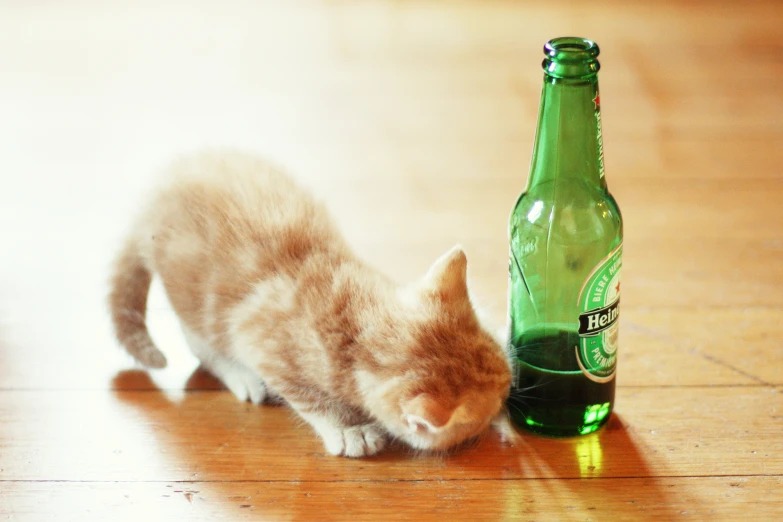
274,303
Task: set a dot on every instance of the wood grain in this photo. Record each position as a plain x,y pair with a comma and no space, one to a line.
503,500
413,121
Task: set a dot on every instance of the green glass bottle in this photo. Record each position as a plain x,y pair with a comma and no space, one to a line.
566,237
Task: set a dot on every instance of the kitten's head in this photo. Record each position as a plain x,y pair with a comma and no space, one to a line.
445,377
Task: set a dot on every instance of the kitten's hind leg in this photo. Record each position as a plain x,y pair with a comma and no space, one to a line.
243,382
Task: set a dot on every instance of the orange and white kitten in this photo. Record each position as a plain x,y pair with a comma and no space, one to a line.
274,303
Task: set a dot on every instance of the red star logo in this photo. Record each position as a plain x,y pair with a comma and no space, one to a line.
617,288
597,101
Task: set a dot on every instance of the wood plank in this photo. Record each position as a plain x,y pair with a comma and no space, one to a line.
209,436
701,273
445,121
658,273
507,161
652,354
678,274
406,31
716,498
659,347
699,209
476,207
747,340
648,347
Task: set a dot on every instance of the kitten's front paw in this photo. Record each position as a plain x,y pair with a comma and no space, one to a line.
355,441
245,385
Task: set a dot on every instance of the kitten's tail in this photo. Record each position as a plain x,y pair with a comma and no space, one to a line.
130,285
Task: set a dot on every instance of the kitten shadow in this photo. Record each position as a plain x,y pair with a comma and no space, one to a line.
229,451
138,380
201,380
225,449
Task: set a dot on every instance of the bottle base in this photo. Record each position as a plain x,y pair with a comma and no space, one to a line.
561,403
550,424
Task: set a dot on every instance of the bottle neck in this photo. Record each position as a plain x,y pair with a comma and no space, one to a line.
568,140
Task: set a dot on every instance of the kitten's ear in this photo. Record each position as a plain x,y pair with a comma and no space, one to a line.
448,275
423,413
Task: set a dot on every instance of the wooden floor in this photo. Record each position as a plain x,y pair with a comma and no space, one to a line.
414,120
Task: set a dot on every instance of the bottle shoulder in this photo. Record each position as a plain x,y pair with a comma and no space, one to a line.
570,210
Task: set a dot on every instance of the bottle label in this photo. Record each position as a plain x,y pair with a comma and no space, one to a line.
599,301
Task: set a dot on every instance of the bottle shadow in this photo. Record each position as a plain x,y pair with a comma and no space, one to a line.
594,473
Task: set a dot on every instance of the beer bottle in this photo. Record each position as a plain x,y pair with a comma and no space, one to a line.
566,237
